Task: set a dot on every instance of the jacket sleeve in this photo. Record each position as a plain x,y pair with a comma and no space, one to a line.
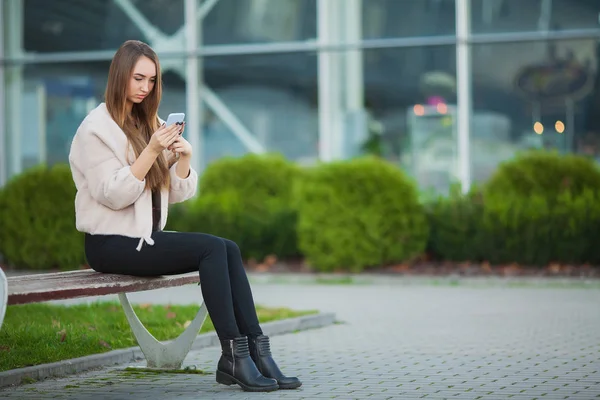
109,181
182,189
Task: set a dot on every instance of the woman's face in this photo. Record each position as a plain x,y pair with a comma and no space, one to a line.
142,80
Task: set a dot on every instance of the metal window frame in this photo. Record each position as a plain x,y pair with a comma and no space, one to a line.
195,51
3,161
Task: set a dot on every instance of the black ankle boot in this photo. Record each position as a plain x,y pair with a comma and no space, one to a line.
260,351
236,366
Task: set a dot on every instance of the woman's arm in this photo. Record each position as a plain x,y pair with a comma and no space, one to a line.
184,181
160,140
144,162
110,183
183,167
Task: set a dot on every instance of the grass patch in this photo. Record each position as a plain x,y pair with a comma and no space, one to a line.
34,334
133,371
335,280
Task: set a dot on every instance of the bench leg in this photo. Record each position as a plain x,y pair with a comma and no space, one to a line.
3,295
163,355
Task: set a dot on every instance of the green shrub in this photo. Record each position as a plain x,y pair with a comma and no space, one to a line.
531,231
540,207
247,200
357,214
539,230
37,220
456,227
545,173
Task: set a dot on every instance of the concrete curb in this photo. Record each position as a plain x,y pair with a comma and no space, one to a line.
422,280
133,354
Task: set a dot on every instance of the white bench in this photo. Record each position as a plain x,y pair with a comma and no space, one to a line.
85,283
3,296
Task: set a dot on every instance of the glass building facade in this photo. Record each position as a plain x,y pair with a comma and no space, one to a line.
447,89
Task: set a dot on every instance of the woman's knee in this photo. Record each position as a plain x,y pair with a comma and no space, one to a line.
213,245
232,247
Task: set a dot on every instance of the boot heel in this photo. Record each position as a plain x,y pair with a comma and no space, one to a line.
224,379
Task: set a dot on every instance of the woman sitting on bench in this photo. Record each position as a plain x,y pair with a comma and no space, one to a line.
128,167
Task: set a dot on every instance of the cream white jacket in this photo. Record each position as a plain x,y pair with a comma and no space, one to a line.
110,200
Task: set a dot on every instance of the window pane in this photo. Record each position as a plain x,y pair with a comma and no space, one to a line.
54,99
525,15
74,25
257,21
405,18
411,97
273,96
533,95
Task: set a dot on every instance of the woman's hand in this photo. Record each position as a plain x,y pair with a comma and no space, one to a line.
181,147
164,137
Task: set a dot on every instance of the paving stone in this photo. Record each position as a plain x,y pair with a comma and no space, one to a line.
394,342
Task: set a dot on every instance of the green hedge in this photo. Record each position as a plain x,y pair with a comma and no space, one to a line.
538,208
360,213
532,231
456,224
546,173
37,220
247,200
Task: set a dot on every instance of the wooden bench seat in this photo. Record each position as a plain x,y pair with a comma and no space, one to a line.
87,283
68,285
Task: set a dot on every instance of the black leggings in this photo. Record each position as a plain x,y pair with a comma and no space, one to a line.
225,287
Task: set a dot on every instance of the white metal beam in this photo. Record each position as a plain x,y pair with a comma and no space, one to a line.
354,58
139,20
355,122
233,123
205,8
342,119
193,83
3,162
464,95
189,36
14,82
329,69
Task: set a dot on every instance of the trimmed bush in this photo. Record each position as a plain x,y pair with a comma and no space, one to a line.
358,214
37,220
531,231
456,227
247,200
539,230
545,173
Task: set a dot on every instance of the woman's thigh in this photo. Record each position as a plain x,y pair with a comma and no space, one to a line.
172,253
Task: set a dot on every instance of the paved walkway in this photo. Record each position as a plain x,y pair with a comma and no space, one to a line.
395,342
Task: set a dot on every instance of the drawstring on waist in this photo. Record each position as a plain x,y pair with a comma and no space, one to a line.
148,240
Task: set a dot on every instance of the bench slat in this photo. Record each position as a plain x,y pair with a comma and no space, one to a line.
67,285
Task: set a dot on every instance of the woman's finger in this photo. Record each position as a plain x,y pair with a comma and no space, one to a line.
162,129
172,139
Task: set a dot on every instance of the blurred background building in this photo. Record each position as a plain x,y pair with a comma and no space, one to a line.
444,88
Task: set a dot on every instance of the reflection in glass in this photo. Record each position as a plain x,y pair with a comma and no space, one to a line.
408,18
260,21
55,98
489,16
66,25
411,94
532,95
273,96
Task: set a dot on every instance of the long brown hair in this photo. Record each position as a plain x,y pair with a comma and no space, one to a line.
143,121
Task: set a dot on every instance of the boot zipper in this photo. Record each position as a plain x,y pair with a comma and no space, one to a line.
232,357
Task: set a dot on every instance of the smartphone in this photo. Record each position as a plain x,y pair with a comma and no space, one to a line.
176,118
